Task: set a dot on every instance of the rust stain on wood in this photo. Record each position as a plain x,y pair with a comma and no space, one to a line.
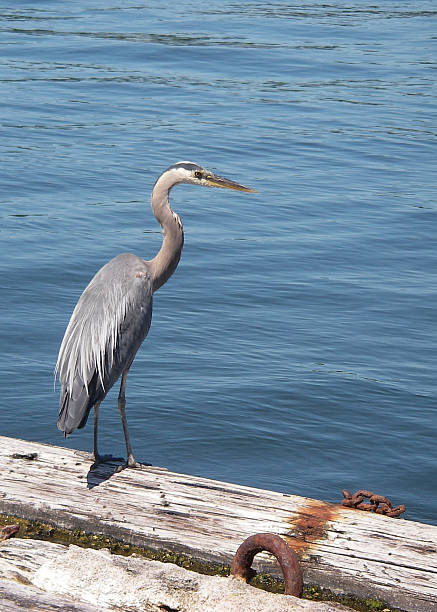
309,525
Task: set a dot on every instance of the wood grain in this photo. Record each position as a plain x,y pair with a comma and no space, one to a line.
345,550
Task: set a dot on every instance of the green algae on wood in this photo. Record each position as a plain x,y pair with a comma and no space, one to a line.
343,550
41,531
36,530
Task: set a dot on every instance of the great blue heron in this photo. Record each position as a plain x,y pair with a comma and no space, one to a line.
113,314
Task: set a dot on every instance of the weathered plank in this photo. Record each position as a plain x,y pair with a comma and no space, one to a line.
15,597
80,578
20,561
344,550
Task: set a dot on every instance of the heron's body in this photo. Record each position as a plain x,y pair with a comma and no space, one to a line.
113,314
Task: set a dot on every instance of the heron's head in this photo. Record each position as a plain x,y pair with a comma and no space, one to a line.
188,172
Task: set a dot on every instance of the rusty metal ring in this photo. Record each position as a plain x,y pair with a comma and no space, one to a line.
287,558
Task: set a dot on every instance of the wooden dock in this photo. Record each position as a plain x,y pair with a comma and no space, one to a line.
344,550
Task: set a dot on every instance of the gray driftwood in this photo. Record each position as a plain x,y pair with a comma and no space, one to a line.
345,550
90,580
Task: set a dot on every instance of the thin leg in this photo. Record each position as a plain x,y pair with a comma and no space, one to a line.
98,458
121,408
96,421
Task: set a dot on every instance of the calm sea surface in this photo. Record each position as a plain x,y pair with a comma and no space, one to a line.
295,347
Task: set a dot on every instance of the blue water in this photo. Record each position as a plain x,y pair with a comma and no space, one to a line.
294,348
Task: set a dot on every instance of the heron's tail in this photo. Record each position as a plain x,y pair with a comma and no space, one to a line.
73,411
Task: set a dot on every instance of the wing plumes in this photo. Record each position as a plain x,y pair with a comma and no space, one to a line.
116,301
90,340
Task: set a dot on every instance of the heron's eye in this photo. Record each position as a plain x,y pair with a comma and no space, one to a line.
198,174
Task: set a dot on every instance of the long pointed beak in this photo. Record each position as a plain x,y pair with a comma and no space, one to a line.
212,180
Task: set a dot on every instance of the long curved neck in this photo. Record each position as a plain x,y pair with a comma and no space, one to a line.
165,262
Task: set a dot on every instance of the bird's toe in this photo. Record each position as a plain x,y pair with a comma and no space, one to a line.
131,463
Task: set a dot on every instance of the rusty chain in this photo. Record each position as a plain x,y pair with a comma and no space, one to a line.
377,503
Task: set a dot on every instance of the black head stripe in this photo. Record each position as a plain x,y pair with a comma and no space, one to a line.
185,165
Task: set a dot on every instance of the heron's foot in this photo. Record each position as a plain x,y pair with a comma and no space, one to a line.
131,463
98,459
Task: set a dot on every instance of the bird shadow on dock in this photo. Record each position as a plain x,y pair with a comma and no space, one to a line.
99,472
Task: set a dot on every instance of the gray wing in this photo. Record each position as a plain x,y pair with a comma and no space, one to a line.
107,327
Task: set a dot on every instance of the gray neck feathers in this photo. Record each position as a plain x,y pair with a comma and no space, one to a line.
165,262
